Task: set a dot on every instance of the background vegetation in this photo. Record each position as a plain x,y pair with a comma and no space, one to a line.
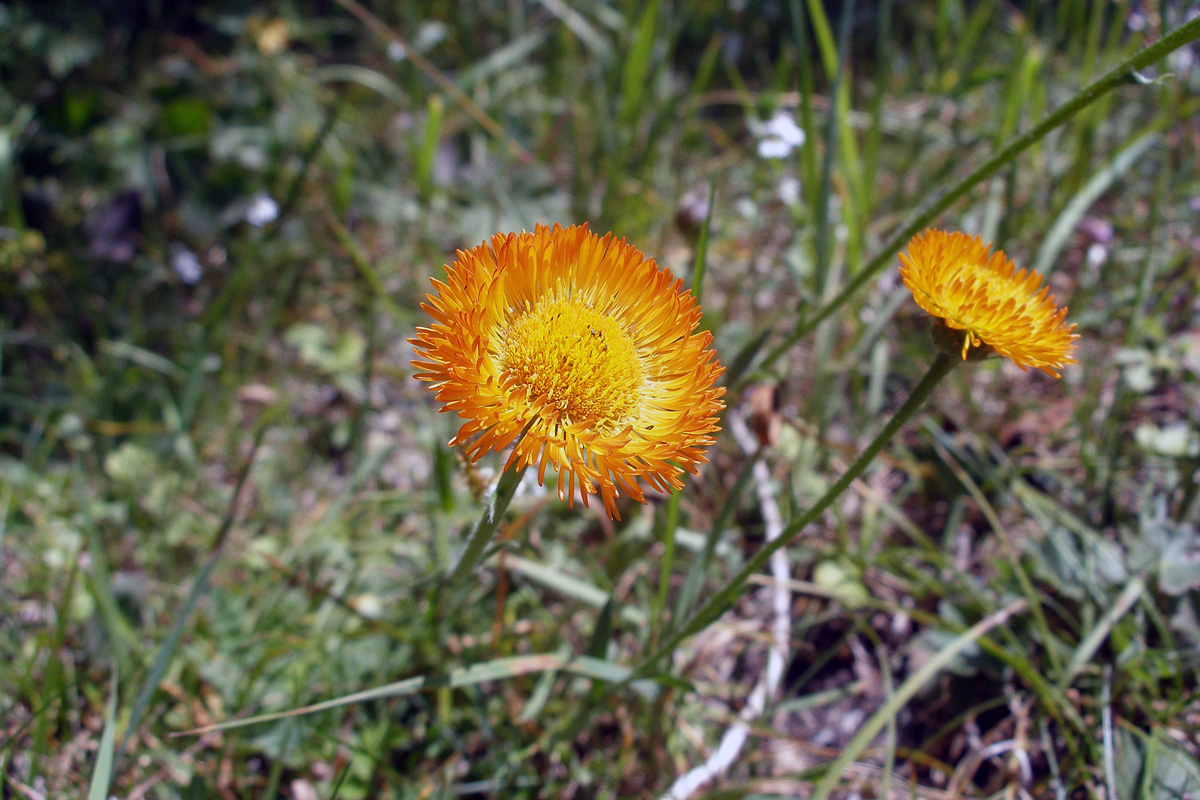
221,494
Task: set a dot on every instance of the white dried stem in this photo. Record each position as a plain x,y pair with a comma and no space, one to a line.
767,686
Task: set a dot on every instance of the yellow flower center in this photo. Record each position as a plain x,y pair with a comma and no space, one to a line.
582,361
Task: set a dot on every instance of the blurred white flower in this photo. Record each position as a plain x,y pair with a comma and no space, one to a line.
367,605
746,208
185,264
261,210
774,148
1182,60
779,136
789,189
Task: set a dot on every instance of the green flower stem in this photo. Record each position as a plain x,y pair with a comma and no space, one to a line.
510,479
725,598
670,525
1125,72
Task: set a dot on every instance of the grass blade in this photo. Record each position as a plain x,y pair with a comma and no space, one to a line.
637,64
701,262
102,773
1096,636
498,669
695,575
571,586
1060,232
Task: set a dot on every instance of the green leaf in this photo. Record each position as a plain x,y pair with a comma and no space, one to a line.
637,63
1149,766
102,772
498,669
598,648
571,586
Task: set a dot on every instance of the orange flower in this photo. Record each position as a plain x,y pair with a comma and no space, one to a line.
587,346
952,276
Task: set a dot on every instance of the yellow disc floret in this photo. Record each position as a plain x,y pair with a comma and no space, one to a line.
581,361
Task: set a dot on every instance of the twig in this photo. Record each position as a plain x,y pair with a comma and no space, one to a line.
767,685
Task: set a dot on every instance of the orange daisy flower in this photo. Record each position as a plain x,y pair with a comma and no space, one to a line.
584,344
953,277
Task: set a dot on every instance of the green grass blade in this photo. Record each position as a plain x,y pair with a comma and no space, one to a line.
598,646
824,34
425,153
1096,636
808,155
666,567
1060,232
457,678
637,64
362,76
883,68
701,263
695,575
102,772
572,587
822,278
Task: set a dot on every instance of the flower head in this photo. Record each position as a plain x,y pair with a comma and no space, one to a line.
779,136
584,344
953,277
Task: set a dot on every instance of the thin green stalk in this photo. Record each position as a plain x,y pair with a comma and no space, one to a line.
306,160
808,155
695,575
883,66
510,479
102,769
1122,73
701,262
658,620
822,281
726,597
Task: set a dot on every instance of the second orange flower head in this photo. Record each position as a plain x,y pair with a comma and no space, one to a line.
955,278
587,346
